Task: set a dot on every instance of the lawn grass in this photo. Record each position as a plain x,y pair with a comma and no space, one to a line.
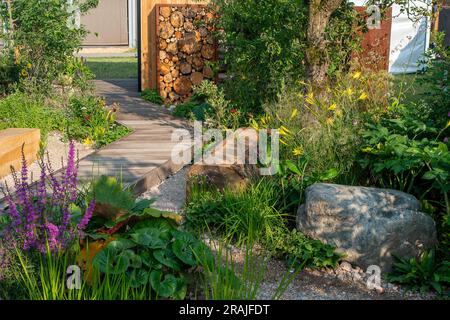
114,68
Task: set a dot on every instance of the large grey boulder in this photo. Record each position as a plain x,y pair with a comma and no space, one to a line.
368,225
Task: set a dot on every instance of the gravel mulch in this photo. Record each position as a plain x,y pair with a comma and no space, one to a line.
171,194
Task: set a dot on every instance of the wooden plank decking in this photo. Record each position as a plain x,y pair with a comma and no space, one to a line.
142,159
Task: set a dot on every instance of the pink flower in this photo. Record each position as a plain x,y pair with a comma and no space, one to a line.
87,216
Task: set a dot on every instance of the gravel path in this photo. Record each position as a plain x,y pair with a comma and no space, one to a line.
171,194
342,283
57,153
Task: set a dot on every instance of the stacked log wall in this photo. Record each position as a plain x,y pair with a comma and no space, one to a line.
186,50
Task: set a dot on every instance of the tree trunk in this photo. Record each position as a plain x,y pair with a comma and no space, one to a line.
317,58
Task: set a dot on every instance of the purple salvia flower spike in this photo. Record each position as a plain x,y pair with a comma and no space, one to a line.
42,188
13,213
87,216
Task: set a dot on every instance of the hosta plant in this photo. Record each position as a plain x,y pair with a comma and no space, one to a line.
153,252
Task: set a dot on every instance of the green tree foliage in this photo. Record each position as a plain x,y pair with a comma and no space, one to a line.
41,37
265,45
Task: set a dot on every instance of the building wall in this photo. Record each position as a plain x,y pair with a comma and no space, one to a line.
148,39
108,24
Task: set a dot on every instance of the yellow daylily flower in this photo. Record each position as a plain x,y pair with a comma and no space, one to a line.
298,151
348,92
24,73
254,124
283,131
281,140
363,96
294,113
265,120
356,75
448,124
88,142
330,121
310,98
29,65
332,107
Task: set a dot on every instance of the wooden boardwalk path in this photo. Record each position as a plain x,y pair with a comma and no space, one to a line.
142,159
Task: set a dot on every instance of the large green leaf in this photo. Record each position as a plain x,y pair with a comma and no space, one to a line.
292,167
184,247
135,261
164,226
329,174
149,260
121,244
108,191
184,252
155,213
142,205
166,287
137,278
167,258
150,237
111,261
180,292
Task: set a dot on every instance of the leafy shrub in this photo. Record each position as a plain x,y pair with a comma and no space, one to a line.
265,45
186,110
21,111
422,274
44,55
344,34
208,104
91,121
292,246
76,74
406,152
436,82
9,73
152,96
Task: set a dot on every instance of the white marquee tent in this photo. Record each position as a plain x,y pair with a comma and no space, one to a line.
408,40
